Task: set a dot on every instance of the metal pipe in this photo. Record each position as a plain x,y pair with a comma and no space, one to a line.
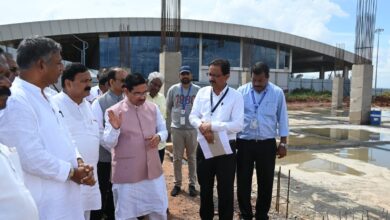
378,31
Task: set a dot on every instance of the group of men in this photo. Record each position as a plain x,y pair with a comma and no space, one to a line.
103,160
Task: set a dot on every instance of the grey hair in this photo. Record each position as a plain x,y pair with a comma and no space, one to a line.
155,75
31,49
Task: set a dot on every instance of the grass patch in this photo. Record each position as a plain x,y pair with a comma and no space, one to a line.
308,95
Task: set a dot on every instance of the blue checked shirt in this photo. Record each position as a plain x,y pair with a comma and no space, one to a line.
272,117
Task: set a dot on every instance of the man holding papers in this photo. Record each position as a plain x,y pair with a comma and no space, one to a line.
218,114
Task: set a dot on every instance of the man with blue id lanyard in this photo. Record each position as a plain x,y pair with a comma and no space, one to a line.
179,104
265,118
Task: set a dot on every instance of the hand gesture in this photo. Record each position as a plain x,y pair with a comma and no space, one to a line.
114,120
153,140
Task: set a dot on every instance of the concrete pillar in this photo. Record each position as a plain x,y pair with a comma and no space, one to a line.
361,86
322,73
170,63
346,72
245,76
337,93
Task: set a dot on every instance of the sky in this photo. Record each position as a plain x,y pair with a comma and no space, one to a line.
328,21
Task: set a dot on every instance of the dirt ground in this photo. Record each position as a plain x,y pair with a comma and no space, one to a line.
311,195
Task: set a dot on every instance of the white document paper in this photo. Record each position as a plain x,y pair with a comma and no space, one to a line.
220,146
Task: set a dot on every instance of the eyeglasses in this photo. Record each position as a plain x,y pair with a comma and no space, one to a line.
213,75
140,94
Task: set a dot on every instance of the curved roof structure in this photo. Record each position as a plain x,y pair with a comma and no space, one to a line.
306,53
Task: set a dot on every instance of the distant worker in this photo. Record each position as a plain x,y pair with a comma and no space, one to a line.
155,82
180,98
265,119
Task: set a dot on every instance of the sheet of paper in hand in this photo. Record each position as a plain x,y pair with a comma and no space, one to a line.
220,146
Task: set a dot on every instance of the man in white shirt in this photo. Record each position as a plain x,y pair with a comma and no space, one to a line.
82,125
34,125
218,110
14,195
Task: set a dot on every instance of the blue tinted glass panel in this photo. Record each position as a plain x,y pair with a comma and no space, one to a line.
109,52
221,47
255,52
145,54
284,58
190,54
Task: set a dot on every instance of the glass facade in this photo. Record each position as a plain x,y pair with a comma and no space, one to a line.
221,47
145,52
284,58
189,47
255,51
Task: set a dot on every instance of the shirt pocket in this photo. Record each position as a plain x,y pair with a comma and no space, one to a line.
270,108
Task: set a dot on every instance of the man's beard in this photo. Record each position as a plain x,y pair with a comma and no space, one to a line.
185,81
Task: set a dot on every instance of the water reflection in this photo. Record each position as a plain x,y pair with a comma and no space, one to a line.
347,134
307,161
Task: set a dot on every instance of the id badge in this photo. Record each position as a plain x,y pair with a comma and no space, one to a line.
182,120
254,124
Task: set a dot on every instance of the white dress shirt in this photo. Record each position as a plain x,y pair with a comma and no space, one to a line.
84,130
16,201
228,116
35,127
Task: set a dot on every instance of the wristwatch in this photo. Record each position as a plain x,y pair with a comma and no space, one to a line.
283,145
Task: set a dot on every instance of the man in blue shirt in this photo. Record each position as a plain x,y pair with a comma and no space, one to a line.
265,117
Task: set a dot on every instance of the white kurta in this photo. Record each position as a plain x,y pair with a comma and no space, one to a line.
16,201
142,198
35,127
84,130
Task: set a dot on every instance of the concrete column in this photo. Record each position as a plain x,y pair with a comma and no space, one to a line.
322,73
170,63
361,86
346,72
337,93
245,76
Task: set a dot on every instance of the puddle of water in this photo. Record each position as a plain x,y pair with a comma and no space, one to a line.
308,140
347,134
378,155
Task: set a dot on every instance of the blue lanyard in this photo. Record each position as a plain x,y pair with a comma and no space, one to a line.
211,100
254,100
184,102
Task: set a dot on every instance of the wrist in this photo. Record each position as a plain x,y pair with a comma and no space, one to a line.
283,145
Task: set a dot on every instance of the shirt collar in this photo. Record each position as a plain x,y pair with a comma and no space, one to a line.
222,92
111,93
69,100
30,87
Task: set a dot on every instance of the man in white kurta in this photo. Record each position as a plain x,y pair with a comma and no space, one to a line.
14,196
82,125
34,126
132,132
